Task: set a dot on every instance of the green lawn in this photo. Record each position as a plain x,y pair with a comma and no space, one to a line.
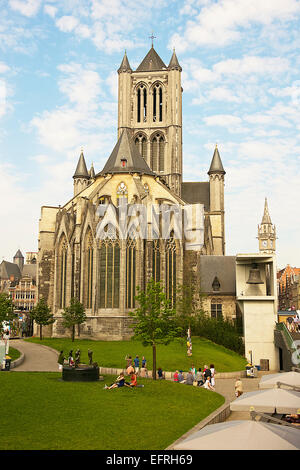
14,353
42,412
170,358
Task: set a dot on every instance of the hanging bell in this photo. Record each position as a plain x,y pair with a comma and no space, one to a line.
254,276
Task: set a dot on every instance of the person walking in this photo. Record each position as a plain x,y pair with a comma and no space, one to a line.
144,361
238,388
5,337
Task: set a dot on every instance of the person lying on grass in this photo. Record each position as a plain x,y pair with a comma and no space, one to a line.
119,382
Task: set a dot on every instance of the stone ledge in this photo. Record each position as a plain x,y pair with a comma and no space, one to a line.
17,362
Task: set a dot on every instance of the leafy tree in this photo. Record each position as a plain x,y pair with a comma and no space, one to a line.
6,309
74,315
154,320
42,315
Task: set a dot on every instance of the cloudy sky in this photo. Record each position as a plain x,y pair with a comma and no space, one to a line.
241,81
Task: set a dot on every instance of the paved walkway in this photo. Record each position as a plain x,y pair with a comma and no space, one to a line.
38,358
226,388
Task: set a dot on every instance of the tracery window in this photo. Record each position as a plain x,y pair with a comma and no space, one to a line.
157,102
109,272
158,153
170,258
63,272
89,271
155,261
130,272
141,143
142,103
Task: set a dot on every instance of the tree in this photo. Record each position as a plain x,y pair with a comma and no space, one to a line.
42,315
6,310
73,315
154,319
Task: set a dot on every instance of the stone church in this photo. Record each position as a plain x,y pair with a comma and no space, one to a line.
143,170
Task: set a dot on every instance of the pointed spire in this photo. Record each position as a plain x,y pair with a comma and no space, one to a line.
266,217
216,165
81,169
19,254
152,62
125,67
174,64
125,158
92,172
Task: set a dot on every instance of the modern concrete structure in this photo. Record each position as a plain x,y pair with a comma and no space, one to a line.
258,304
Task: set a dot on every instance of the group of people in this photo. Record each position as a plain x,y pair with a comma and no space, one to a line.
137,366
121,382
205,378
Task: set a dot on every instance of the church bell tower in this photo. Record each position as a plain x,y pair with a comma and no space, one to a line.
266,233
150,105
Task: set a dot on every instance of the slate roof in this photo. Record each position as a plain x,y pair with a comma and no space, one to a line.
126,149
30,270
8,269
19,254
151,63
216,165
174,64
222,267
124,67
196,192
81,169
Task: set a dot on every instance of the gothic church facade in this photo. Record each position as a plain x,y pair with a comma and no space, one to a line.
145,168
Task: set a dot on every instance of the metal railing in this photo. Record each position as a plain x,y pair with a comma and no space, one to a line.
282,327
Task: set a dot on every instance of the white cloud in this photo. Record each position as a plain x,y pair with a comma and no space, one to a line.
83,120
252,65
220,23
50,10
67,23
25,7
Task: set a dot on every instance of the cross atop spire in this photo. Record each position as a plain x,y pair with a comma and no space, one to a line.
152,37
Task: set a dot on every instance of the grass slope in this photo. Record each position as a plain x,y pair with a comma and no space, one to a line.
170,358
42,412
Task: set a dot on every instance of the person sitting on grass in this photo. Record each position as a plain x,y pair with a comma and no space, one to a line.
160,373
208,385
120,382
133,380
181,377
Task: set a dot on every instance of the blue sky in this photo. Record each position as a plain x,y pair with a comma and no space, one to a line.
241,81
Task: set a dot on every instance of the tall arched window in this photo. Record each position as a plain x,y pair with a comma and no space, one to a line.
171,269
157,103
155,261
73,271
141,143
109,273
130,272
62,259
89,270
158,153
141,103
